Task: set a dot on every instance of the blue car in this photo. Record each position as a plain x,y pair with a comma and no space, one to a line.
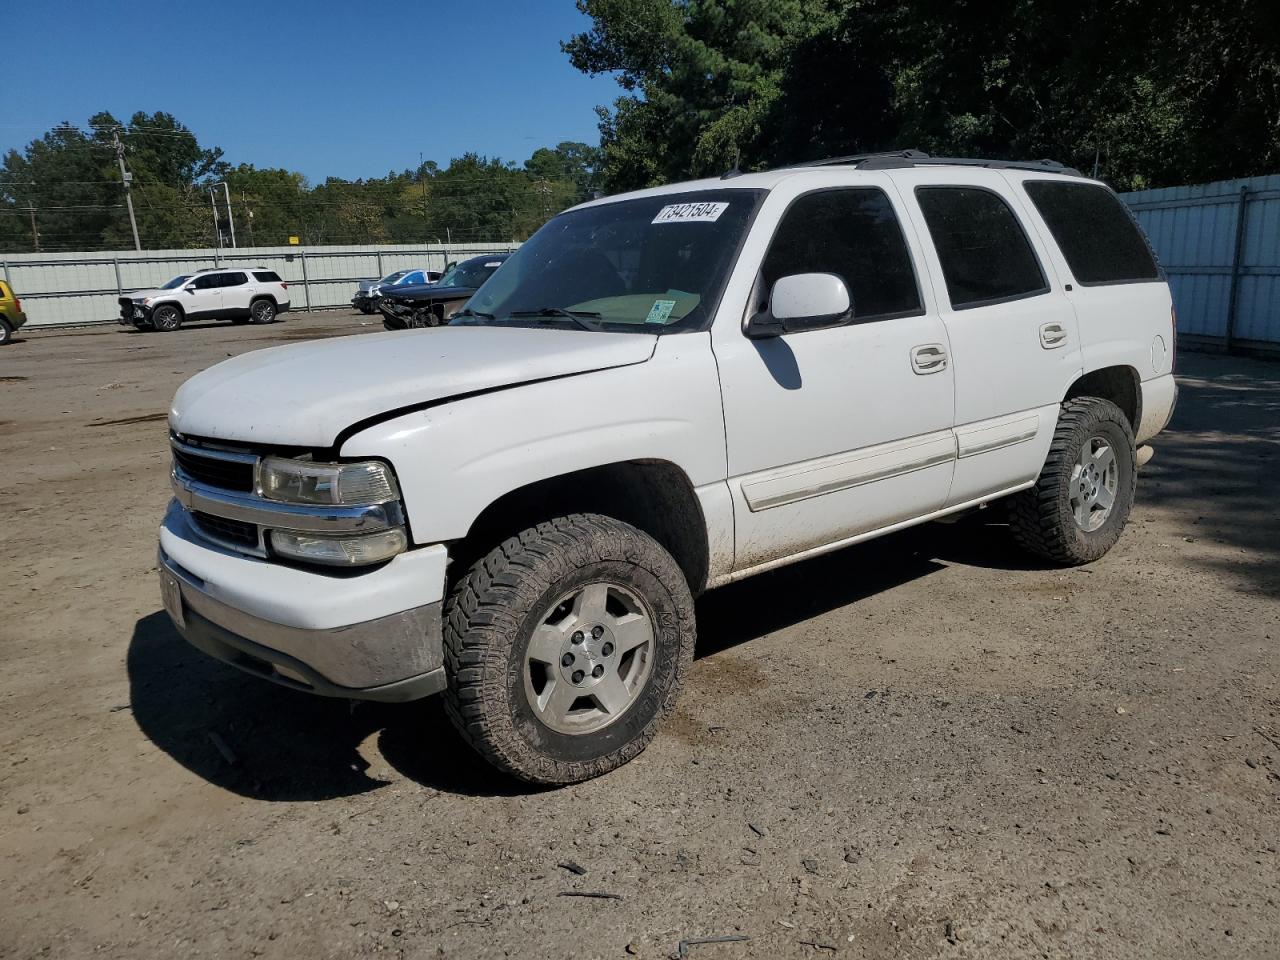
367,294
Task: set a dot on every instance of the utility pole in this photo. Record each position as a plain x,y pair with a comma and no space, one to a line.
244,203
231,220
422,178
35,234
217,231
127,177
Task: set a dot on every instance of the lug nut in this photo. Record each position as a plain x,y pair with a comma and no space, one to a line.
598,672
578,637
607,649
566,660
578,676
597,632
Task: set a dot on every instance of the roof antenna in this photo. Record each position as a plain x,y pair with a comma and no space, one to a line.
733,171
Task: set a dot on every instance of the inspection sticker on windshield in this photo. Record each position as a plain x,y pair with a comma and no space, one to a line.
691,213
660,311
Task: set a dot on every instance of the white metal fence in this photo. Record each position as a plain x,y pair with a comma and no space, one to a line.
1219,245
74,288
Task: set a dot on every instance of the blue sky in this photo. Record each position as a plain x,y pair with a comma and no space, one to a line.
325,87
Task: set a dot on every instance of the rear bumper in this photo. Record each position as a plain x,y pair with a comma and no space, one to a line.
308,630
15,319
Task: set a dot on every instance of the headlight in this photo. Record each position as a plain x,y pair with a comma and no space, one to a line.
328,484
356,551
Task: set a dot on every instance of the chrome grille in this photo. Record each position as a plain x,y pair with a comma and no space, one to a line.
231,532
217,473
218,468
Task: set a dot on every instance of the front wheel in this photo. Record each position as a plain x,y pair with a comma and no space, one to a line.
565,648
1078,507
166,318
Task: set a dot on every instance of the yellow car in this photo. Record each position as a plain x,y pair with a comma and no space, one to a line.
11,315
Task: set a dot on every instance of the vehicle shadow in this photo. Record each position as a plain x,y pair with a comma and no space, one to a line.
287,745
291,746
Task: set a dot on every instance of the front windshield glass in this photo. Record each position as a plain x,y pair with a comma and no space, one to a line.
176,282
657,263
469,273
393,277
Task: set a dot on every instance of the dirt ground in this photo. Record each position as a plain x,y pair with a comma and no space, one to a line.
917,747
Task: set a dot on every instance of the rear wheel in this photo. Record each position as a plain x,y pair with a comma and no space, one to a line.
6,331
166,318
566,646
1078,508
262,311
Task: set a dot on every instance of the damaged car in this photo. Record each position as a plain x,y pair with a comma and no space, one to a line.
430,305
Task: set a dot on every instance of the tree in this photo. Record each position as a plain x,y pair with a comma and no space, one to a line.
1151,89
70,178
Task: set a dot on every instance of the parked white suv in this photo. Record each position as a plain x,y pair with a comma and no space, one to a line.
249,295
660,393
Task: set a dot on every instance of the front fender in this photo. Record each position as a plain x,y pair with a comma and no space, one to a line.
455,459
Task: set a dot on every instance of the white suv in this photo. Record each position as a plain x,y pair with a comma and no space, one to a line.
660,393
249,295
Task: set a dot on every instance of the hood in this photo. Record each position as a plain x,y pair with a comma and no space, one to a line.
305,394
428,291
143,294
364,285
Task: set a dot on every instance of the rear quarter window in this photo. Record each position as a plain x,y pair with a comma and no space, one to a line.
1095,232
267,276
985,254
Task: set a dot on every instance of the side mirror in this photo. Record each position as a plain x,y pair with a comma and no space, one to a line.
189,288
803,301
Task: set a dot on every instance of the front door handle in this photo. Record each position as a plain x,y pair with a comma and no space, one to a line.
1052,335
928,358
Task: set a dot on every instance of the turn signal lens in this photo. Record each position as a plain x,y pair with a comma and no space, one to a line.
357,551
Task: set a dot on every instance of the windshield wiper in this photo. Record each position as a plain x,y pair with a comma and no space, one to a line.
468,312
580,317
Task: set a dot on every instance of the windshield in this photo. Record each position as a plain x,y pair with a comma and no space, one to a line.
469,273
176,282
657,263
393,277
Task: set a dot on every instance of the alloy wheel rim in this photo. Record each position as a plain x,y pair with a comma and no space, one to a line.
1095,479
589,658
262,311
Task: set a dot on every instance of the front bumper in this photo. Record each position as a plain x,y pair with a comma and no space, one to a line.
133,313
369,636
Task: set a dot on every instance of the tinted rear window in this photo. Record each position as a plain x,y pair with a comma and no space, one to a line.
1095,232
985,254
267,276
854,234
236,279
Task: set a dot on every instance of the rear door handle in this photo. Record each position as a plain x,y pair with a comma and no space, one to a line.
1052,335
928,358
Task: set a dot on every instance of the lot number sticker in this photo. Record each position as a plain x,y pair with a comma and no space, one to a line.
691,213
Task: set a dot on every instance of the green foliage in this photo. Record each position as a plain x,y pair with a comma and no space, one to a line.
72,180
1158,92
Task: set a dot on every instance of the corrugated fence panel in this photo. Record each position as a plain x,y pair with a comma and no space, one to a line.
1195,232
75,288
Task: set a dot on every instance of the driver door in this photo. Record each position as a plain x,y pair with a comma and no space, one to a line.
836,432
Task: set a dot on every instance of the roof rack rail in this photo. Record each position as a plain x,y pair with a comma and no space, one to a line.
857,159
899,159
